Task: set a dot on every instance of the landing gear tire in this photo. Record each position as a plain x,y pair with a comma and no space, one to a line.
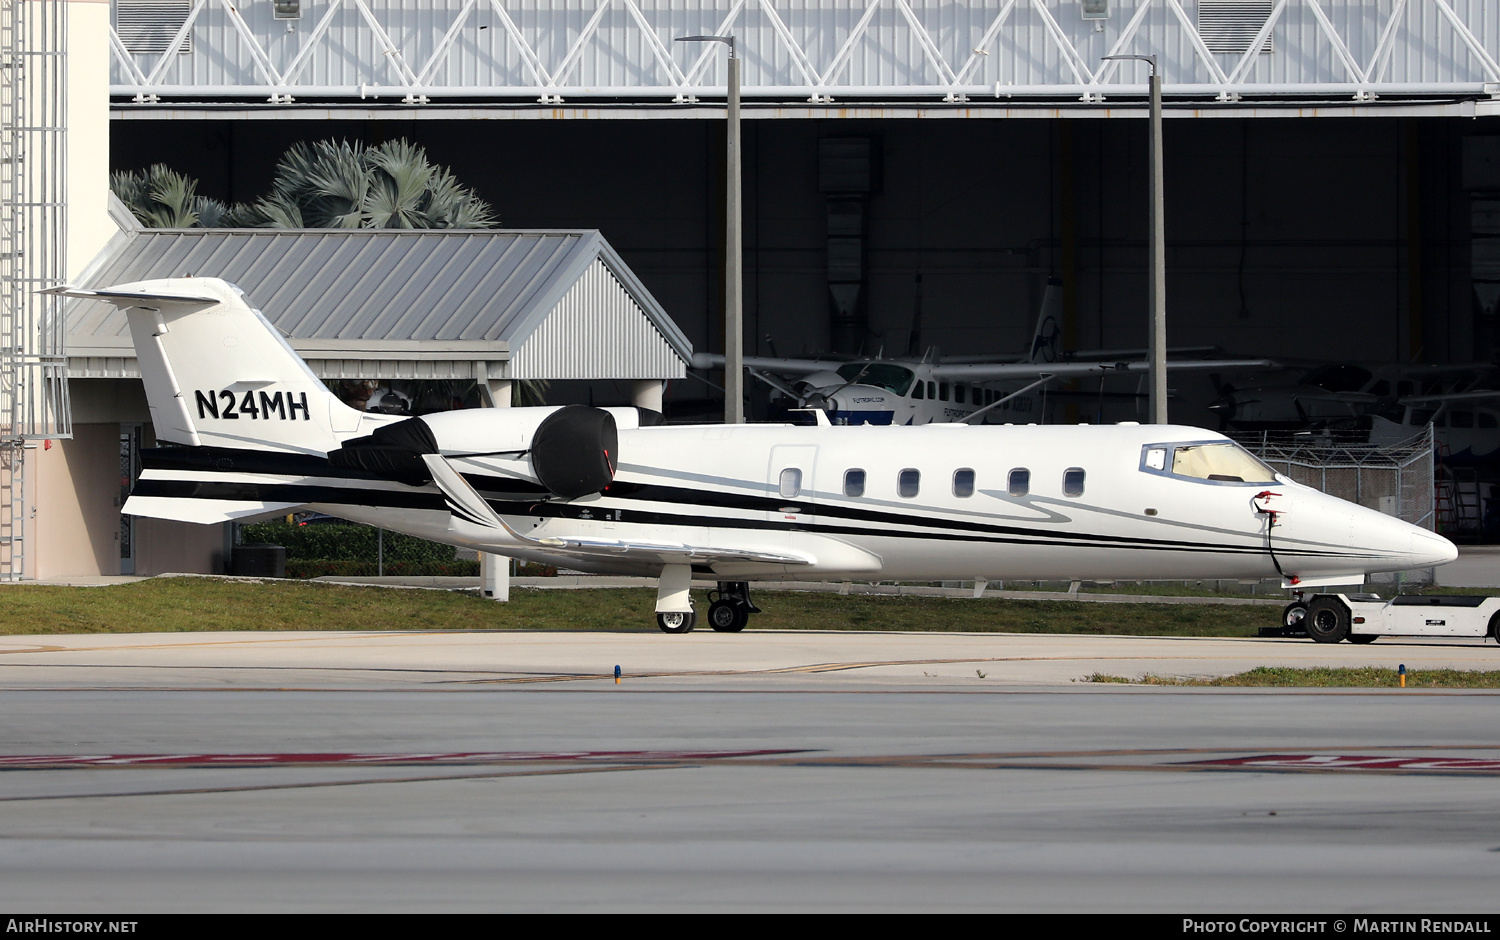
728,616
1292,618
677,621
1495,627
1363,637
1327,621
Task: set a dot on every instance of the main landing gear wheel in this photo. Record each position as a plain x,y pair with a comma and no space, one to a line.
1327,620
731,607
1363,637
728,616
1495,627
677,621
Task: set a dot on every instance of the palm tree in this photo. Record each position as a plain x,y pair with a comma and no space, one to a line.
327,184
336,184
162,198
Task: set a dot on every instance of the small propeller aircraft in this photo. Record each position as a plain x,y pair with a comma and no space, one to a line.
254,433
922,390
1331,394
1466,425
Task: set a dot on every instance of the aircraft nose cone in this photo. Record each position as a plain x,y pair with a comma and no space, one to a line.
1432,549
1399,541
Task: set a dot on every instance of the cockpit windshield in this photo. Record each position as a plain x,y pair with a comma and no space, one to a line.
1227,462
892,378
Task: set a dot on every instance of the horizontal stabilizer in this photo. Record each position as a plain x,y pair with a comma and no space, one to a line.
202,511
125,299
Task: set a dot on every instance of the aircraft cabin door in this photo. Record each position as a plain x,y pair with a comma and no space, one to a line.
790,475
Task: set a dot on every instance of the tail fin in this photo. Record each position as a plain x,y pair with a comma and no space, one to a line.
1047,339
217,374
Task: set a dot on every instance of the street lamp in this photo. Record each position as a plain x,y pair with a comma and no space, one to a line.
734,277
1156,293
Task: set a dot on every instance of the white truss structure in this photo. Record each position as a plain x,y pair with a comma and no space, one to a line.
33,364
821,51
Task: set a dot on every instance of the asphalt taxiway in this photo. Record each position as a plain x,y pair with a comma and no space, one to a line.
761,771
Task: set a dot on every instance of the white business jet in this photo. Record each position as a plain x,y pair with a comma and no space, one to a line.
602,489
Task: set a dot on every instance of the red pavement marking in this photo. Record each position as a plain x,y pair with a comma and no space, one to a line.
1353,762
460,757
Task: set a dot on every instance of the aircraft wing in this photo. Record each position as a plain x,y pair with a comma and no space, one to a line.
664,552
1084,355
1475,395
468,506
1021,370
771,364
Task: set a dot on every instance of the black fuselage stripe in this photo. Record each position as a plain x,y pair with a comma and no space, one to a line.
433,501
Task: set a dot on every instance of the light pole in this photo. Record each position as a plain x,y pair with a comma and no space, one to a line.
734,277
1156,292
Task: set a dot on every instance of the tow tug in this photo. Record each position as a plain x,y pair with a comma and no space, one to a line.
1364,618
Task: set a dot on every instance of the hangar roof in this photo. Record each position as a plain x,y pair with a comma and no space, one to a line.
374,303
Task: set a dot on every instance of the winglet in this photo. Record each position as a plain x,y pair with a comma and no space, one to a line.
463,500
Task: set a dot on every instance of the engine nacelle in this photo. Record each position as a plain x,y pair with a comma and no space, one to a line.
573,449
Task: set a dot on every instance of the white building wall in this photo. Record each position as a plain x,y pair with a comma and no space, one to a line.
597,329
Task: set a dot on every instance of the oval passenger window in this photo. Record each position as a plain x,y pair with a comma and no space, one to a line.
1020,482
963,483
791,482
909,483
854,483
1073,482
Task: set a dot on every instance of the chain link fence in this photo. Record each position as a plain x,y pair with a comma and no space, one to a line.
324,546
1396,479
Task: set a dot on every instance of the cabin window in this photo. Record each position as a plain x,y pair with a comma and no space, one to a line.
963,483
791,482
958,394
916,390
1020,482
932,391
1487,420
942,391
1073,481
908,483
854,483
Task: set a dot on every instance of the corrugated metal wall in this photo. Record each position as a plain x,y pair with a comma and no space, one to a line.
514,47
597,329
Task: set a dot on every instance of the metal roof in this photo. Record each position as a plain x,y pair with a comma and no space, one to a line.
404,304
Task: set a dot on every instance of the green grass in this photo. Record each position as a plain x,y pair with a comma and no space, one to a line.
1365,677
192,604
